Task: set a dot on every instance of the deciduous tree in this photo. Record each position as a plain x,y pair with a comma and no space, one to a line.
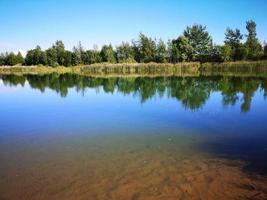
107,54
252,43
226,52
201,41
161,52
181,50
145,49
265,50
233,39
36,56
60,51
125,53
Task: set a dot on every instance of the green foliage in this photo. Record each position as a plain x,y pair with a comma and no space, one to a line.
11,59
2,59
199,38
77,54
51,54
226,53
194,45
36,56
241,52
145,49
233,39
107,54
67,58
60,52
91,57
19,59
161,52
216,54
172,52
180,50
252,43
265,50
125,53
76,59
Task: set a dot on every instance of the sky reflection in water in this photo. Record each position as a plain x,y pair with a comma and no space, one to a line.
230,111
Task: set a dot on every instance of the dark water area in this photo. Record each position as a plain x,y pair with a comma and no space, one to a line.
78,137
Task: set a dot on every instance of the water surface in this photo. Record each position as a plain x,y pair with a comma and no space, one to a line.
77,137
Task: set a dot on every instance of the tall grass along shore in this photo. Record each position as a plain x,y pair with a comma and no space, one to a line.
146,69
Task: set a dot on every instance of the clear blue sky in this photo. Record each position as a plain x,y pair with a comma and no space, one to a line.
26,23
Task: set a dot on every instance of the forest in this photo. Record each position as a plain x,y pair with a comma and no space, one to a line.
194,45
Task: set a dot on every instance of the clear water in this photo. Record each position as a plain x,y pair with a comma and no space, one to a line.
74,137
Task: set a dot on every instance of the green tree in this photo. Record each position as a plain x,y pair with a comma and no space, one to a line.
36,56
2,59
86,57
51,54
265,50
30,58
60,51
241,52
11,59
233,39
125,53
19,59
91,57
226,52
145,49
216,54
180,50
75,59
172,52
77,54
107,54
67,58
161,52
252,43
199,38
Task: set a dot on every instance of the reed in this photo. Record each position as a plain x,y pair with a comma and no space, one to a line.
240,68
109,69
257,68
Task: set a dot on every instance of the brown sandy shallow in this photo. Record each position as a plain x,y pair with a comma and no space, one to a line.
121,168
136,178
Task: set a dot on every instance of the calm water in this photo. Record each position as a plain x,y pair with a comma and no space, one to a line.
74,137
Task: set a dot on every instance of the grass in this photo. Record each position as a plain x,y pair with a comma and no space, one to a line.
17,70
142,69
245,68
257,68
108,69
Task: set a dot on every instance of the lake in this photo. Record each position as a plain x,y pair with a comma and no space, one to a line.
77,137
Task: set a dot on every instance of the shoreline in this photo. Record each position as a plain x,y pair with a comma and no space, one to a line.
244,68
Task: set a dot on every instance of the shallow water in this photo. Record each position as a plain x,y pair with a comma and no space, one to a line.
74,137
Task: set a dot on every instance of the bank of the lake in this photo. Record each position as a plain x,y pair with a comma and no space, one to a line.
255,68
138,69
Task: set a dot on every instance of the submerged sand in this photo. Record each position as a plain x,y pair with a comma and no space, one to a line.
133,176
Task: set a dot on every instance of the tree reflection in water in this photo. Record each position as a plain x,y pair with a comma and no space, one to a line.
192,92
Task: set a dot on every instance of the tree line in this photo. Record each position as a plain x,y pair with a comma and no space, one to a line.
195,44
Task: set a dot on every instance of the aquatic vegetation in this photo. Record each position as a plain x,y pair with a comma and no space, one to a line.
252,68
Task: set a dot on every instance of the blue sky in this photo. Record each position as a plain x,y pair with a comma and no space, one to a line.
26,23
